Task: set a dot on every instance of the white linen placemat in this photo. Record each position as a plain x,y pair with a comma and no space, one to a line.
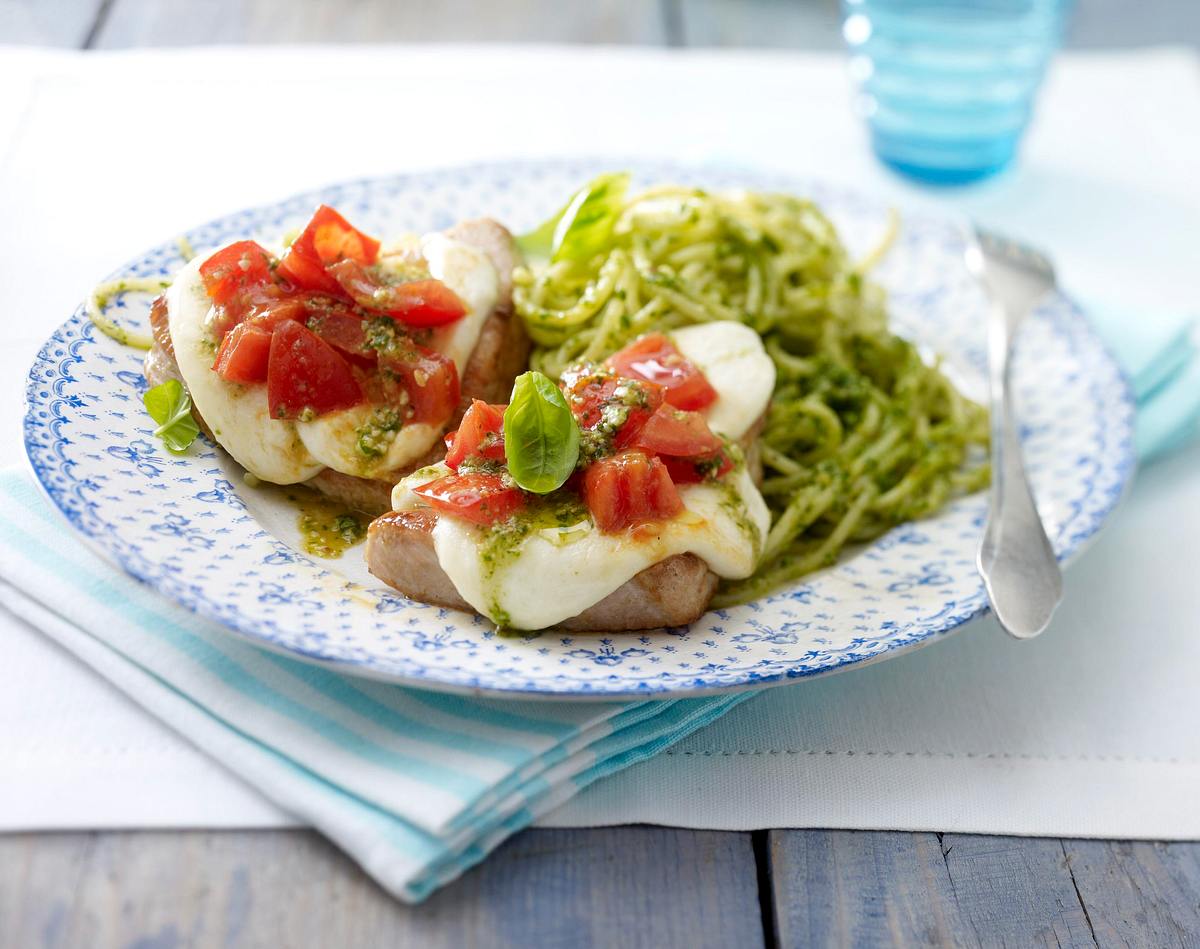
83,179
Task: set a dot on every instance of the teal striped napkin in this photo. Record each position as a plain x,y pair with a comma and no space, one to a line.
415,786
1160,353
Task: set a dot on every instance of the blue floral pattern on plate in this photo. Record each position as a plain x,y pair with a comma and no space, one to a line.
190,528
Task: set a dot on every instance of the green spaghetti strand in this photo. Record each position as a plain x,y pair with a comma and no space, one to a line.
862,434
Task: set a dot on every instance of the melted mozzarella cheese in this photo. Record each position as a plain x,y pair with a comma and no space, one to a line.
237,415
333,438
285,452
733,360
553,573
469,272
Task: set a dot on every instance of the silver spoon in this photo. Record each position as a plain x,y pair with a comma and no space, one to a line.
1016,561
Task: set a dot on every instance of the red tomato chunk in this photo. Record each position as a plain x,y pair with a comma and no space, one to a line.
590,391
244,354
671,431
268,315
415,302
429,378
629,488
695,470
234,269
476,497
306,374
480,435
342,329
327,239
654,358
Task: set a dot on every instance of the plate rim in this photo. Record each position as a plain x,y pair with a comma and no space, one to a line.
973,607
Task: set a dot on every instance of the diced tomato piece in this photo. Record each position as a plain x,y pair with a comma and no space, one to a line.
344,330
305,373
358,283
305,271
629,488
415,302
271,313
695,470
588,391
430,379
326,239
243,354
477,497
480,435
233,269
335,239
671,431
654,357
423,303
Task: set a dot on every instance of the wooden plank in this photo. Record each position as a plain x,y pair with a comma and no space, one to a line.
1138,893
862,888
628,886
616,886
183,22
48,22
1016,891
786,24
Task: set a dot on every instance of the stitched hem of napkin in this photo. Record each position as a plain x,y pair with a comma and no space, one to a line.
973,755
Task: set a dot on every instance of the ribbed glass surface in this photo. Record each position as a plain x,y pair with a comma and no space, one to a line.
947,86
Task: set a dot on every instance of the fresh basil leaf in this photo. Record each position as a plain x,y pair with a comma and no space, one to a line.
170,405
585,223
541,437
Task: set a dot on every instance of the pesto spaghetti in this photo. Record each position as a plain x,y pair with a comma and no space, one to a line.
861,435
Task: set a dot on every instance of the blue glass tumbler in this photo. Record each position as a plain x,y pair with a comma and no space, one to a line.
947,86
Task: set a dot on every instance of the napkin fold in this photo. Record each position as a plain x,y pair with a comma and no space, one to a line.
1160,354
416,786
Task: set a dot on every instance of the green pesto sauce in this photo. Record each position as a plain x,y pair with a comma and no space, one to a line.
596,441
382,334
732,502
733,505
327,529
501,543
376,435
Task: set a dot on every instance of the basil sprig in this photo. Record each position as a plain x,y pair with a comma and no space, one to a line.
541,437
584,225
170,405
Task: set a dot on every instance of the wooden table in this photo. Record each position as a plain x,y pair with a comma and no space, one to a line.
625,886
628,886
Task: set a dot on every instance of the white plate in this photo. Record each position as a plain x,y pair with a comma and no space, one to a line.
191,529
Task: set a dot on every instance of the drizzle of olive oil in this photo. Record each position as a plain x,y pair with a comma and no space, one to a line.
327,529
